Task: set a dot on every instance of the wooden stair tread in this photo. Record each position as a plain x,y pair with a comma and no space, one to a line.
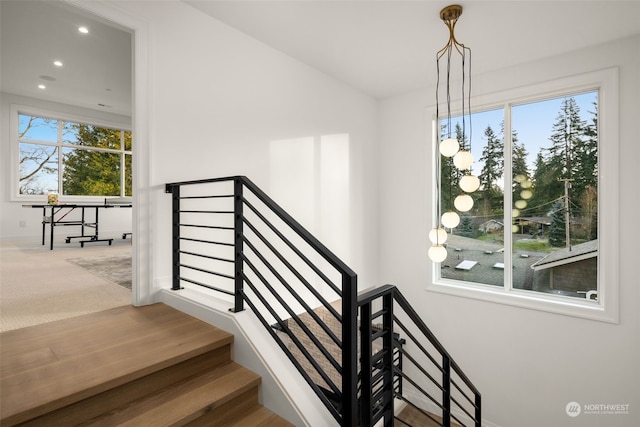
186,401
109,401
42,369
258,417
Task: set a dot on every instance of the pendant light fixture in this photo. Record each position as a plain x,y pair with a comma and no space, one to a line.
449,146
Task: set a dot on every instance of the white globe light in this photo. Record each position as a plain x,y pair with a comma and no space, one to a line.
437,253
526,184
515,228
449,147
515,213
469,183
463,160
519,178
526,194
521,204
450,219
463,202
438,236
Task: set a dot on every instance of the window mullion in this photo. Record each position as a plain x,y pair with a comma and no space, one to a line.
508,200
123,191
60,156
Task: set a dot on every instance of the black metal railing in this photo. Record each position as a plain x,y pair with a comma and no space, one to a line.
231,239
421,371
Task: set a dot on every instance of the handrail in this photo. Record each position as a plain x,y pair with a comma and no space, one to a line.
231,238
282,214
258,282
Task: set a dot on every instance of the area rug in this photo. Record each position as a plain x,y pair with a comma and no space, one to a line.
116,269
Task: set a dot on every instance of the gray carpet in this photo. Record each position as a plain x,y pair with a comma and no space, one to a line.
39,285
116,269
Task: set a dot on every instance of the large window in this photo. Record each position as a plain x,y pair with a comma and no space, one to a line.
71,157
535,231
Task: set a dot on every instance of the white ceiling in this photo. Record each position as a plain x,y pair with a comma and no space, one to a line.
96,66
388,47
382,47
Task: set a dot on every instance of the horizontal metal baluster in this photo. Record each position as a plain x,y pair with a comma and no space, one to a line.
295,271
297,319
297,342
204,285
202,270
212,242
207,256
297,296
293,248
332,409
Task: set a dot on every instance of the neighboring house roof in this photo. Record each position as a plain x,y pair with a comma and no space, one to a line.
568,255
544,220
494,222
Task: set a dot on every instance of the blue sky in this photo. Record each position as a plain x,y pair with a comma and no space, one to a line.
533,123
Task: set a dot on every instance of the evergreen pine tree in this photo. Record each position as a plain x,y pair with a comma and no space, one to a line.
466,226
557,236
492,170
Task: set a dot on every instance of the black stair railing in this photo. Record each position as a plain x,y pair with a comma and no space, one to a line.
229,238
425,371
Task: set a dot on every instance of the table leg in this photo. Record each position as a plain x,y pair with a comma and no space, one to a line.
44,224
52,224
97,209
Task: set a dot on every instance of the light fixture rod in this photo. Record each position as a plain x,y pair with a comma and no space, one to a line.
450,15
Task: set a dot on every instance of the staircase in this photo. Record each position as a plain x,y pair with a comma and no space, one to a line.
146,366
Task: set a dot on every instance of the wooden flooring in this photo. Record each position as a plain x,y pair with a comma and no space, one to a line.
107,360
411,416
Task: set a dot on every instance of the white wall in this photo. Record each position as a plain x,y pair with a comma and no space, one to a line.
218,99
527,364
12,214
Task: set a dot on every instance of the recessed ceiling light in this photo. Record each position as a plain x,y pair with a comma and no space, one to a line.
83,30
42,87
57,63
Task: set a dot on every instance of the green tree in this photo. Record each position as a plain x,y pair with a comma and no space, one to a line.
492,170
567,132
92,172
546,186
449,174
519,162
570,156
557,230
586,157
589,212
466,226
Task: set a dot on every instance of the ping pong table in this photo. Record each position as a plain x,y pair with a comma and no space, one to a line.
54,216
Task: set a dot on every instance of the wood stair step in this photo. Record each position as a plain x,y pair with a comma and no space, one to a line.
110,400
244,411
128,366
259,417
185,401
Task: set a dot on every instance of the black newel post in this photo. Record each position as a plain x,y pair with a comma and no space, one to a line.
446,391
238,245
175,215
349,351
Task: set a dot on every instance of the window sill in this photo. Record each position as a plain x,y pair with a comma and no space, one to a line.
568,306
